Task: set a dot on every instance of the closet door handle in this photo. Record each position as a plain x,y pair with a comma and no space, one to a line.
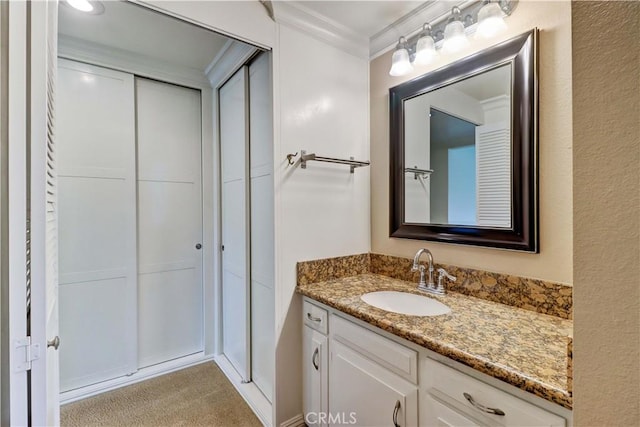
55,343
198,246
314,359
494,411
396,409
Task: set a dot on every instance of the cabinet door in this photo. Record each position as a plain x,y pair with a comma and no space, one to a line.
315,377
436,414
366,394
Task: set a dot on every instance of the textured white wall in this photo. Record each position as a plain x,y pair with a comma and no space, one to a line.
606,178
554,262
323,210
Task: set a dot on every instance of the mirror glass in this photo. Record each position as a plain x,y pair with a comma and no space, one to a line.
464,150
458,152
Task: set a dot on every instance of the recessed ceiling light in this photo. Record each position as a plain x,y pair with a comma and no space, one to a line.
92,7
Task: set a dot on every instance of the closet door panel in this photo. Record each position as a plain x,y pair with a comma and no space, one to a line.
262,262
169,221
93,325
235,256
96,107
92,221
169,308
235,248
97,224
169,130
168,227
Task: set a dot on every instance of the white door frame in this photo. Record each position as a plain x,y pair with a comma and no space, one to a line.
14,210
14,392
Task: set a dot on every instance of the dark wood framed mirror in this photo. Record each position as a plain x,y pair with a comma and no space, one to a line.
464,150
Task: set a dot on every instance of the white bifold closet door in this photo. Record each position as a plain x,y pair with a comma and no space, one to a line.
130,223
234,150
262,219
97,224
248,300
170,294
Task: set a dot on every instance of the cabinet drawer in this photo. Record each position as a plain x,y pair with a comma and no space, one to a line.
391,355
450,386
315,317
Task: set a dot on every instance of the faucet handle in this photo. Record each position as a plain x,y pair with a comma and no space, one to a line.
442,273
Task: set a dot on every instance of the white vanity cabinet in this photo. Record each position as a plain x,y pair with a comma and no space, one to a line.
356,374
315,365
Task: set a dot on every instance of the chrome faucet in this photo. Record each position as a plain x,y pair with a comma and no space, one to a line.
422,285
430,286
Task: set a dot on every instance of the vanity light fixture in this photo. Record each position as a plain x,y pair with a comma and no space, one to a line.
490,20
450,33
455,37
400,61
425,47
92,7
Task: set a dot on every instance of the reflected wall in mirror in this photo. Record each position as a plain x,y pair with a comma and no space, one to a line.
461,133
463,150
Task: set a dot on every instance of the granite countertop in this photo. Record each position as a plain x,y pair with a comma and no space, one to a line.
520,347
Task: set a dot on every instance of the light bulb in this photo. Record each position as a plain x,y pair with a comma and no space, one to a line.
455,38
81,5
425,47
400,62
490,20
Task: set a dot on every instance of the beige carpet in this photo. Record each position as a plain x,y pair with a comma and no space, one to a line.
196,396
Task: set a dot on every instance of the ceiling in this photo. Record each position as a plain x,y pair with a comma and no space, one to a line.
143,32
487,85
364,17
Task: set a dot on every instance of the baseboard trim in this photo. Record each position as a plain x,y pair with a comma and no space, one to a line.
297,421
140,375
249,391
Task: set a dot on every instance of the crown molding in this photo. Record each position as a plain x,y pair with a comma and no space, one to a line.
231,57
432,11
298,16
123,60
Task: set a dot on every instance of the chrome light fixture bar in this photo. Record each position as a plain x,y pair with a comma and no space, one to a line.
449,32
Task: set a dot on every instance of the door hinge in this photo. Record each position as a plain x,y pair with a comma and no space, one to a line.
25,353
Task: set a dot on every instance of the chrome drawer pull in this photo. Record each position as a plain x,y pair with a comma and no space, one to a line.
314,359
494,411
395,414
313,319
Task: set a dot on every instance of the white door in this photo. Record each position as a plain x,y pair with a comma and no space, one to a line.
43,211
363,393
262,219
235,220
315,376
493,181
97,224
170,294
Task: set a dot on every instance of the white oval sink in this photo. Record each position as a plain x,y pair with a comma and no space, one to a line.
405,303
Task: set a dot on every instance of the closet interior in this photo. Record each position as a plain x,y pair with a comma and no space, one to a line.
165,158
